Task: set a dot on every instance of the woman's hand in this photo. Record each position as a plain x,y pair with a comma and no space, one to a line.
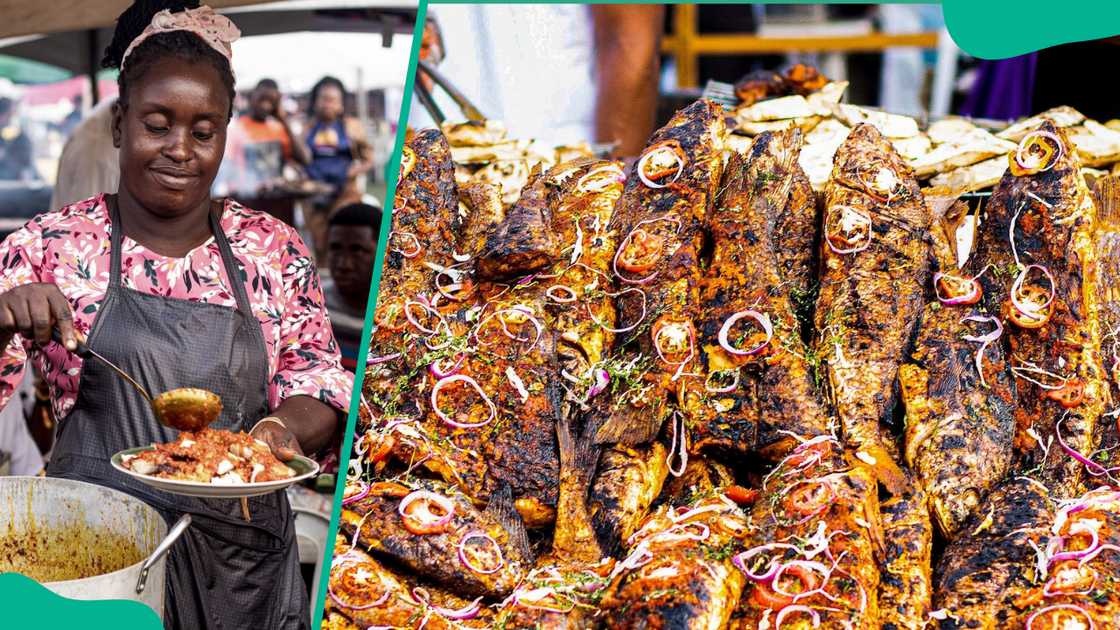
273,432
33,310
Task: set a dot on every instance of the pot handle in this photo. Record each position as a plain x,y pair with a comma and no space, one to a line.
161,550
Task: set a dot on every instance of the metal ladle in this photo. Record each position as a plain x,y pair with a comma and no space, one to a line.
184,408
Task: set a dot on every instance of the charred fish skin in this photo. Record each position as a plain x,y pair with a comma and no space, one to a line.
1107,197
660,235
522,242
905,583
673,580
627,481
874,270
796,241
375,522
981,576
1039,224
959,423
743,276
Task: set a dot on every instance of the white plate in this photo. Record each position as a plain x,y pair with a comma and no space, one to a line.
304,468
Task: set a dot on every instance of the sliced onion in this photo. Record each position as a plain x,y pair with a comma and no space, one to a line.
970,298
529,599
595,187
334,597
452,291
622,246
762,319
678,442
684,515
439,371
725,389
478,388
1094,468
423,495
1027,373
570,297
626,328
983,340
741,561
1030,162
1048,592
470,611
602,377
412,320
1042,611
384,358
408,235
796,608
517,383
497,550
522,310
861,219
811,565
657,148
357,497
1031,311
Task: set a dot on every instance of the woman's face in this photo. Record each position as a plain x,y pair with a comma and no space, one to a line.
171,135
328,103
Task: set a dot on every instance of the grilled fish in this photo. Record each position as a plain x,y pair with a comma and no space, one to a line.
1107,197
365,594
627,481
429,548
556,596
874,270
905,584
678,573
795,240
522,242
658,222
982,575
1037,245
742,294
818,516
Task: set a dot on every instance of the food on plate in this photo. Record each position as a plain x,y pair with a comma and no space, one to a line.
210,456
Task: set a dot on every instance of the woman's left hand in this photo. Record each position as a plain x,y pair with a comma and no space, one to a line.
283,442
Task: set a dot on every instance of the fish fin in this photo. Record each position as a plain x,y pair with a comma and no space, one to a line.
1106,194
882,466
629,426
502,510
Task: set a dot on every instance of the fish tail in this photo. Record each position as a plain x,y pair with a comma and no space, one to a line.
630,426
874,455
1106,195
502,508
574,533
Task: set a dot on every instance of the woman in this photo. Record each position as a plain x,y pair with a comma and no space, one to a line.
339,155
182,291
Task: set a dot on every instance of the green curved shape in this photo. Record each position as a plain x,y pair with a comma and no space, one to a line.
28,604
998,29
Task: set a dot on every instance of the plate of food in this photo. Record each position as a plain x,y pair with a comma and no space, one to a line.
213,463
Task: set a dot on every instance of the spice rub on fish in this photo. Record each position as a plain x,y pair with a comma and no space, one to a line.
1036,250
905,583
873,274
438,534
759,387
523,241
658,222
815,538
678,571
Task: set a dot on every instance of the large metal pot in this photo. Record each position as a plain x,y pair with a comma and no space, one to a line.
84,541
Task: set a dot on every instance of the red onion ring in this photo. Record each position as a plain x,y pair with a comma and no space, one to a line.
1035,614
412,320
969,298
1047,592
1094,468
602,378
528,599
336,599
363,493
1019,157
775,584
640,167
466,562
470,611
796,608
725,389
602,185
571,294
983,340
740,561
1017,286
762,319
629,235
415,243
529,316
439,371
383,359
423,495
478,388
864,220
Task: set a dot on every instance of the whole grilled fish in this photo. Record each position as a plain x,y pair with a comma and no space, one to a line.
1106,194
905,584
678,573
365,594
817,516
432,550
743,291
982,575
874,270
658,223
627,481
424,229
1037,245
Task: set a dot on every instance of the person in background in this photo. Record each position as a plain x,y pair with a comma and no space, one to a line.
560,74
352,235
89,162
24,457
259,144
340,154
15,147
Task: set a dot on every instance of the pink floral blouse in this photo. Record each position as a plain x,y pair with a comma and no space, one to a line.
70,247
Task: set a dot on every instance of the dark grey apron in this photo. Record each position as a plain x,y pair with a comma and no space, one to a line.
225,573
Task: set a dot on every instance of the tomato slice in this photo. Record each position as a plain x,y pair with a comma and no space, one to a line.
966,290
390,316
1069,395
428,522
741,495
389,489
641,251
795,579
1038,146
354,584
674,338
809,497
1031,296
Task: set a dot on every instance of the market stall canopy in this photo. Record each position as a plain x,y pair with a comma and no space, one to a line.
73,33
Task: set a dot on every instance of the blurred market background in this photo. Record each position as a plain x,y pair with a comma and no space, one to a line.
54,96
